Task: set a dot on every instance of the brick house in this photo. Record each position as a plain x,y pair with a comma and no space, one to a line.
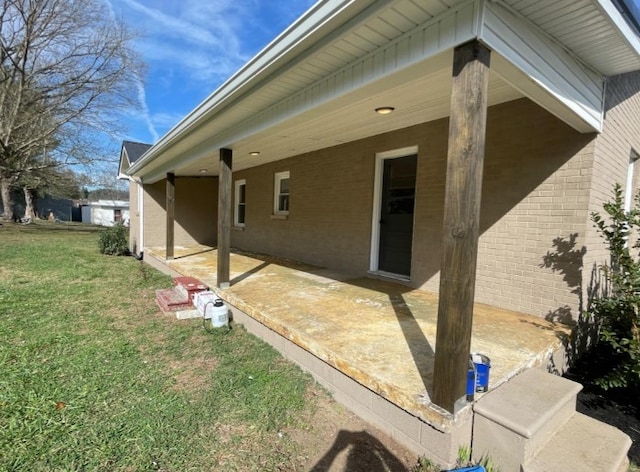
349,144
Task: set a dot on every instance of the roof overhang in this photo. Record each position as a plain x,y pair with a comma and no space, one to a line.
317,84
130,152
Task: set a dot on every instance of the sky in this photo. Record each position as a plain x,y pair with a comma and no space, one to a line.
190,48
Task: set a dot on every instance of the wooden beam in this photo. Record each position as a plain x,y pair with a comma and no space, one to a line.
465,157
171,204
224,217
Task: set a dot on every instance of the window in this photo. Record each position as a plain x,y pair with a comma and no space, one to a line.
117,215
281,194
240,203
631,181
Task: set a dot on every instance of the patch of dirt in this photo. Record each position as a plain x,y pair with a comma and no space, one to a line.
624,416
336,440
191,375
191,371
617,407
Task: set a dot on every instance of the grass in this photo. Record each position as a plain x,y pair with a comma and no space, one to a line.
94,378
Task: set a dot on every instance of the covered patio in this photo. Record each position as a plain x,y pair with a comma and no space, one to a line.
378,333
460,139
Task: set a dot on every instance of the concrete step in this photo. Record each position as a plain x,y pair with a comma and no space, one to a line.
515,421
583,444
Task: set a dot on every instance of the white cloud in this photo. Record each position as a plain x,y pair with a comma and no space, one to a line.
192,46
145,110
201,39
142,100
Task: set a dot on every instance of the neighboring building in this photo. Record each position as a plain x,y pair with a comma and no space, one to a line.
106,213
349,143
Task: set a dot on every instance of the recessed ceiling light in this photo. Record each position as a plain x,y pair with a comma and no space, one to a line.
384,110
204,171
254,153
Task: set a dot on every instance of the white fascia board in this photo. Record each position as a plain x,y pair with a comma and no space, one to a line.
620,24
561,82
278,52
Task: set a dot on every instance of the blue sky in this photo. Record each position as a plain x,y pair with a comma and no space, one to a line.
191,47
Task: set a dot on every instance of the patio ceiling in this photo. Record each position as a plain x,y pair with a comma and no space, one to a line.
318,83
352,117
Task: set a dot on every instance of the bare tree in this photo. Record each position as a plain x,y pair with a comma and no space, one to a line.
106,186
67,73
56,183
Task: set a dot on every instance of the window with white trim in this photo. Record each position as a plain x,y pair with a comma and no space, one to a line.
631,180
281,193
240,203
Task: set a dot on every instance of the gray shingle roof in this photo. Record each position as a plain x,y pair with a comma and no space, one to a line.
134,150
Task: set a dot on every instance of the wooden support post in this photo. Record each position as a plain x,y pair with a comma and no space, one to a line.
224,217
171,203
465,157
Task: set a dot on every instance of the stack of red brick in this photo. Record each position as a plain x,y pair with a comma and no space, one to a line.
180,296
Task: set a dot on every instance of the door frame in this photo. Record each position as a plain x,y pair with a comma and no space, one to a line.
377,205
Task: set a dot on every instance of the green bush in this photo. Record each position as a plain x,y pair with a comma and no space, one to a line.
616,312
113,241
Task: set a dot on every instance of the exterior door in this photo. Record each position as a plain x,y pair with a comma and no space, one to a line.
396,215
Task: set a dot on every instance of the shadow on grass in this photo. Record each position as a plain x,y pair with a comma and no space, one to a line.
365,453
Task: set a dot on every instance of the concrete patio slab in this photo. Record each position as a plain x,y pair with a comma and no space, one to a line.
378,333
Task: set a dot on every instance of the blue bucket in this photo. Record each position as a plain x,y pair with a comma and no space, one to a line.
475,468
482,365
471,380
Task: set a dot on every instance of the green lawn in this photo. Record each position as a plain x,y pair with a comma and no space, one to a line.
95,378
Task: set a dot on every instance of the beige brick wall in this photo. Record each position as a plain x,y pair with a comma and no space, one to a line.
613,147
154,214
536,191
329,221
534,201
134,218
196,211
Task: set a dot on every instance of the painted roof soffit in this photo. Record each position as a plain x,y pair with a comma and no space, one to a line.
627,33
323,15
620,28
